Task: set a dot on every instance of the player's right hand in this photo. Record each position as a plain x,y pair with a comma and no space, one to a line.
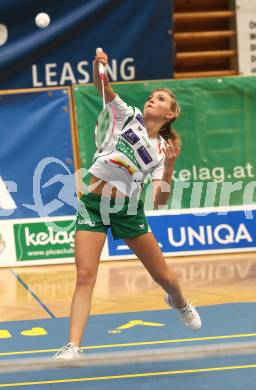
101,57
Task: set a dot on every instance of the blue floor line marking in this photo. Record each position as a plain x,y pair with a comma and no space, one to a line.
33,294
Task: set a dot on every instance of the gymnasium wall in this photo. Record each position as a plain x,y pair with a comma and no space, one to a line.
63,53
47,132
212,206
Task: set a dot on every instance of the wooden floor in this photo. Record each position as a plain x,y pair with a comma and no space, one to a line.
124,286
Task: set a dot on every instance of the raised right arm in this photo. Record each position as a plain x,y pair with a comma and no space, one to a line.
101,57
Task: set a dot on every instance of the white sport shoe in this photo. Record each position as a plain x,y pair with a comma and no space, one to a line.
69,352
189,316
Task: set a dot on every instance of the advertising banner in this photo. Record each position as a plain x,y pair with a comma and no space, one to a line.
246,36
62,53
23,242
41,241
215,173
217,164
37,176
36,154
7,244
212,207
198,232
38,241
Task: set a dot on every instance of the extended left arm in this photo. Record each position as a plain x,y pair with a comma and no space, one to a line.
162,188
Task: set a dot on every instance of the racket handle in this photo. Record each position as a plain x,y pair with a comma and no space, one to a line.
101,66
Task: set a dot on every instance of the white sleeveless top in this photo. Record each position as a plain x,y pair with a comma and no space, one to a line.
131,154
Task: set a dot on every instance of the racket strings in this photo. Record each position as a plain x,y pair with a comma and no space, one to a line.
104,130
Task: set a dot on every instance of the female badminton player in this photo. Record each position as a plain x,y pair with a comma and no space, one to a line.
140,145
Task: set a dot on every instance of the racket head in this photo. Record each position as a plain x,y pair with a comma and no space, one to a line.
104,128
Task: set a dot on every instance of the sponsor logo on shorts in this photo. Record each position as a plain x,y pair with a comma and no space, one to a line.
86,222
144,155
130,136
140,119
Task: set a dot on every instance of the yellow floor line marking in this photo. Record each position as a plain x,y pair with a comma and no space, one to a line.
134,344
156,342
125,376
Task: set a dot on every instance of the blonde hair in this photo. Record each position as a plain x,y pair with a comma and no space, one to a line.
166,131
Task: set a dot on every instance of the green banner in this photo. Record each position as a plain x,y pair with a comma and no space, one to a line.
217,162
39,240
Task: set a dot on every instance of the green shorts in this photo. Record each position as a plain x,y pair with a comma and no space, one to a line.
97,213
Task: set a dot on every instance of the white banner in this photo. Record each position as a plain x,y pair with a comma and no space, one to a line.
36,241
246,36
7,244
6,200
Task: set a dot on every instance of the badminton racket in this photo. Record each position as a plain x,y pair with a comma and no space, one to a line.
106,121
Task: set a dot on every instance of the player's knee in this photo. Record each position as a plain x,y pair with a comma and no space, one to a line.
86,277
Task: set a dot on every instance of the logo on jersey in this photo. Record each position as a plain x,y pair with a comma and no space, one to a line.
130,137
139,128
124,147
140,119
144,155
146,142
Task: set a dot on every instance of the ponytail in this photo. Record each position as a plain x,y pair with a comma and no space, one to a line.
166,131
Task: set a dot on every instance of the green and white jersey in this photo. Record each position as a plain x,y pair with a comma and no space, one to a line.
131,154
